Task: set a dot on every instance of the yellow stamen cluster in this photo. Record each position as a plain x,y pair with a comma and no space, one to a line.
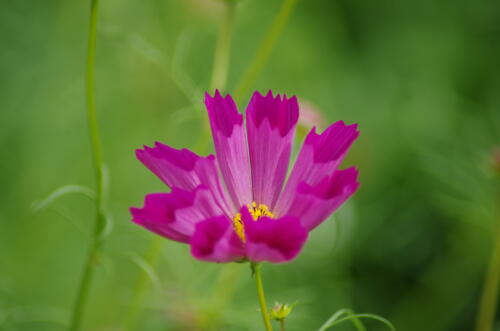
257,211
238,227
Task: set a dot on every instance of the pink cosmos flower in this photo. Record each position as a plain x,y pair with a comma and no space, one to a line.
239,205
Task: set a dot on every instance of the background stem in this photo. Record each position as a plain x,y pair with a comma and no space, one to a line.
96,240
488,304
262,298
265,49
223,47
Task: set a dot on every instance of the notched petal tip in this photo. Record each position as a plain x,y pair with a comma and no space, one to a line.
222,112
281,112
139,153
216,94
333,142
135,212
182,158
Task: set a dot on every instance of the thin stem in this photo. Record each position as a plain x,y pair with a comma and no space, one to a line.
260,292
223,47
282,324
265,48
488,303
100,222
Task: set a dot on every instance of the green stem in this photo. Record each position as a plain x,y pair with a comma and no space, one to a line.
223,47
265,48
488,303
260,292
282,324
100,222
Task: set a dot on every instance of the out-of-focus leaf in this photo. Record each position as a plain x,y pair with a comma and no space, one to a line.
148,269
147,49
65,213
35,315
183,81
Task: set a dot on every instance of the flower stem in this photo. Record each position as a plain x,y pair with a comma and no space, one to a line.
100,221
223,47
488,304
282,324
260,292
265,49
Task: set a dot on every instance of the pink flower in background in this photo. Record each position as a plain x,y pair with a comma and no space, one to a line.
311,116
238,205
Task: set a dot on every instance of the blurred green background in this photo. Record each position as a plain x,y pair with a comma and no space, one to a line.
421,78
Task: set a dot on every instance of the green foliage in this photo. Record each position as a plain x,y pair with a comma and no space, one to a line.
419,77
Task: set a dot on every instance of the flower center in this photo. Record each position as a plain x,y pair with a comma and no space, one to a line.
257,211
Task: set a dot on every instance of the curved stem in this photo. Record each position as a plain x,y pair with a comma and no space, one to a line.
265,48
260,292
100,221
223,47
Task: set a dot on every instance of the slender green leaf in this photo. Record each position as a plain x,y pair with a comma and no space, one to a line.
355,318
338,314
39,205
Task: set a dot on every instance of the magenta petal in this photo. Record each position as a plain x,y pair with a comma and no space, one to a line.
320,155
158,213
223,113
315,203
273,240
184,169
175,167
230,146
333,143
174,215
270,128
281,112
214,240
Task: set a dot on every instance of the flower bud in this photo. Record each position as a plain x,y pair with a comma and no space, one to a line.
280,311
